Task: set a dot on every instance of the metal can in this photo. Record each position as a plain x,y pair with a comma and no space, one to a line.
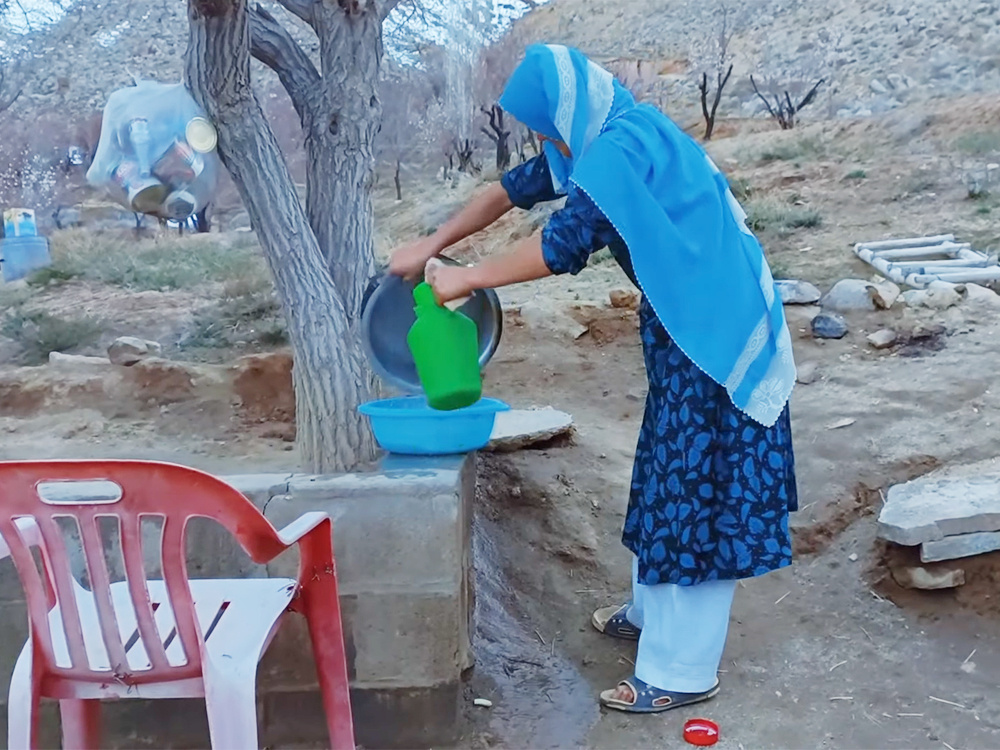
144,194
180,165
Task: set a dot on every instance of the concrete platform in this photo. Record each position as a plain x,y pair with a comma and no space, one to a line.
402,543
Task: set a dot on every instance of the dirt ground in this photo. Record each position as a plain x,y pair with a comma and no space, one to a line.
817,656
825,654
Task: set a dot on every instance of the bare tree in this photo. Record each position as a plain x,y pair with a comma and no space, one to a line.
320,254
717,58
404,111
499,134
784,110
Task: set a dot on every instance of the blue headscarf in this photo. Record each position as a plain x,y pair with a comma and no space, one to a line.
697,263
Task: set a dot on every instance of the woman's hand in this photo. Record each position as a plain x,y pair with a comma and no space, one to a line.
409,260
449,282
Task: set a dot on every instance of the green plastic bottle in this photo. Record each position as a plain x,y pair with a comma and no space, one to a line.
445,348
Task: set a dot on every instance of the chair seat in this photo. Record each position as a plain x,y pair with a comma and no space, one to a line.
238,618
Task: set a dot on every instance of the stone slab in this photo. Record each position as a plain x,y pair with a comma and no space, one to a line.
521,428
929,509
959,546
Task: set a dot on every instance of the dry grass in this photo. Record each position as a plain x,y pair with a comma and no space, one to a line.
164,263
772,215
38,333
248,317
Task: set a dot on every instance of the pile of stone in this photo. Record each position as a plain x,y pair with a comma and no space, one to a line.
823,315
949,519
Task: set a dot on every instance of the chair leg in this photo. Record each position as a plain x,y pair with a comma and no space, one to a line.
81,724
321,607
22,705
231,704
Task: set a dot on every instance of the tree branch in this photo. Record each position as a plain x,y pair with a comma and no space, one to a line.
271,43
303,9
808,98
763,98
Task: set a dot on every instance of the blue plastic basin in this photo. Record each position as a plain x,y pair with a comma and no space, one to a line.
19,256
408,425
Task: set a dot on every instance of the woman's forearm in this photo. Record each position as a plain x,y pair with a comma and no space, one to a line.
478,214
524,263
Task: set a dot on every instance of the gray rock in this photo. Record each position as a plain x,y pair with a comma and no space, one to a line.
127,350
898,82
929,509
806,373
521,428
797,292
961,545
848,295
940,295
882,339
982,296
829,326
883,295
929,580
549,318
77,361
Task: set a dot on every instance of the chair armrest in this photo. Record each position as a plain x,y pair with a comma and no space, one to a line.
30,533
293,532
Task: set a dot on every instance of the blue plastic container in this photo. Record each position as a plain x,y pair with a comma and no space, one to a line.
19,256
408,425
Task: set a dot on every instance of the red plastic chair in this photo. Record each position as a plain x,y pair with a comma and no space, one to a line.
141,638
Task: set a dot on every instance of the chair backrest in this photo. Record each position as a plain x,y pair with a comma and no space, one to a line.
44,492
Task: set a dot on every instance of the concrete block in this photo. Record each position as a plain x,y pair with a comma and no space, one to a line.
961,545
259,488
930,509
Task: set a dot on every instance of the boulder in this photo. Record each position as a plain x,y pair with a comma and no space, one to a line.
127,350
882,339
77,361
829,326
848,295
624,299
543,317
795,292
927,579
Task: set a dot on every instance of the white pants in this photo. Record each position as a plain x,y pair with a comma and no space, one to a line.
683,632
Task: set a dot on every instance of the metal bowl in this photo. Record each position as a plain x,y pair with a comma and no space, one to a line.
387,315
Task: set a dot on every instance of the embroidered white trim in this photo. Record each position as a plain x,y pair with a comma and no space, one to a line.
600,97
566,109
753,348
766,282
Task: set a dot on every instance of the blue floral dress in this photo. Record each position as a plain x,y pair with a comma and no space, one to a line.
711,488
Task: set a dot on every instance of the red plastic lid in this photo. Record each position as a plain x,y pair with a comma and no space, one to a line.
701,732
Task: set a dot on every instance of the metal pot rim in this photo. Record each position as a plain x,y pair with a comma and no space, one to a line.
377,287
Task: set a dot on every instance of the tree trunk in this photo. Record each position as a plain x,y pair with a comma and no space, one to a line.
330,375
399,186
339,138
503,151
